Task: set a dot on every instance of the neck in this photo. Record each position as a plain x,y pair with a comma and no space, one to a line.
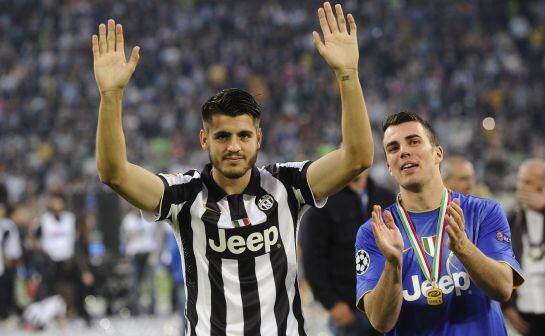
231,186
427,198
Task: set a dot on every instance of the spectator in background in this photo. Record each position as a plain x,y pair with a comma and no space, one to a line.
458,174
58,264
526,309
328,236
139,241
10,252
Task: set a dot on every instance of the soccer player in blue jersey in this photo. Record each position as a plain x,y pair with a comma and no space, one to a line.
436,262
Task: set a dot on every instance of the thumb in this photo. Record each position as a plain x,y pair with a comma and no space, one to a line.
135,56
457,201
318,42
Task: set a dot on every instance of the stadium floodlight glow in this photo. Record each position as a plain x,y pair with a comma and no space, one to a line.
489,123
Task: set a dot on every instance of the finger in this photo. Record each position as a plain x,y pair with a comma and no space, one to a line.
323,22
453,226
389,219
450,233
340,18
457,208
456,216
119,42
96,49
111,35
352,24
318,42
135,56
102,38
377,220
331,21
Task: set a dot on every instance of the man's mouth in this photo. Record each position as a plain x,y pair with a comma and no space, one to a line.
409,166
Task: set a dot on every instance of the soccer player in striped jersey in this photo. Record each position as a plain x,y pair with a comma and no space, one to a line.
236,224
437,262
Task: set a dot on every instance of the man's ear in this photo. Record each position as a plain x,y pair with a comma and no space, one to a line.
203,137
439,154
259,137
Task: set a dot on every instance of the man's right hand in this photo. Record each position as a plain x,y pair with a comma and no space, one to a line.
387,235
342,315
112,71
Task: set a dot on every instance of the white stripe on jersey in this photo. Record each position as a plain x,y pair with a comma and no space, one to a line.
229,271
204,299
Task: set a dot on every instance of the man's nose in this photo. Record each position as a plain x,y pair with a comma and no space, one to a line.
404,151
234,145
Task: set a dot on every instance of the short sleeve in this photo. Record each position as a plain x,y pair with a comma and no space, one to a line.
294,175
178,189
494,239
369,262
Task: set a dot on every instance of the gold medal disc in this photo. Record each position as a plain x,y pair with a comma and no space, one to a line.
434,296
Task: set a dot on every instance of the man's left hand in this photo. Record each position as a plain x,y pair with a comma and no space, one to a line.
457,237
340,47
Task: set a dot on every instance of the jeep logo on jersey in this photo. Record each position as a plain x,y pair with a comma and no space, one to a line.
265,202
245,241
458,282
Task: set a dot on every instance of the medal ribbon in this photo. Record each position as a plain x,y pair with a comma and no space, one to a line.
431,274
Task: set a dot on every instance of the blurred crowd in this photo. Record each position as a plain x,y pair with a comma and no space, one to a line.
455,62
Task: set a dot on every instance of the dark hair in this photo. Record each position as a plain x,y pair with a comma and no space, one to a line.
403,117
231,102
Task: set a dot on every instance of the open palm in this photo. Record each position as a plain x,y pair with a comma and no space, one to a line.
112,71
387,235
340,47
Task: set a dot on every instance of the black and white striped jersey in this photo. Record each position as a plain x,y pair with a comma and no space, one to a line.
238,251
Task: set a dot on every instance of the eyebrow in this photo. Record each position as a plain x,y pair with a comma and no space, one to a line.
243,132
408,137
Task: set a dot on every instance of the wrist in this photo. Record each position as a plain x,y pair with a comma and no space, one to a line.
346,73
112,93
394,262
463,249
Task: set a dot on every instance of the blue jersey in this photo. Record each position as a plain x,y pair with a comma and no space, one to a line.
465,310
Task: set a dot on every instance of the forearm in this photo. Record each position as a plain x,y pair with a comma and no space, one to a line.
110,141
357,138
492,277
383,303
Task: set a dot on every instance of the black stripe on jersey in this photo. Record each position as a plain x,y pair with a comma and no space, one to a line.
246,273
218,315
179,193
297,310
250,297
186,235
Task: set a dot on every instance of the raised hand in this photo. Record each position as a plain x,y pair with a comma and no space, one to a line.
387,235
340,47
112,71
457,237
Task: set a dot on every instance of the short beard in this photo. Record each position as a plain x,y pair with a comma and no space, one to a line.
234,175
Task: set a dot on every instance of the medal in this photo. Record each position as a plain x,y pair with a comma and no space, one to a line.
536,252
434,295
